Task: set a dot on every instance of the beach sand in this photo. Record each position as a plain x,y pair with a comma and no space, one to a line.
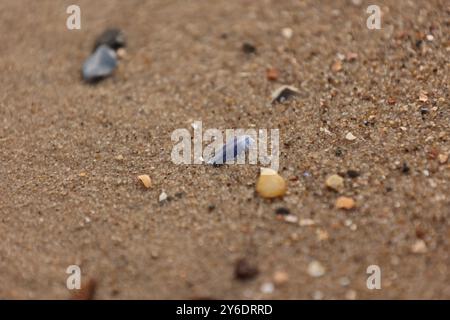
68,198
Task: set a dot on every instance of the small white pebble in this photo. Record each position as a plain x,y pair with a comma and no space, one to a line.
291,218
162,196
350,137
287,33
316,269
267,287
419,247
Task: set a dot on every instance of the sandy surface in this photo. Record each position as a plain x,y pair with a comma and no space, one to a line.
65,199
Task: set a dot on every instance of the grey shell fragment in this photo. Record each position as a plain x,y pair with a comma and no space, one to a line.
100,64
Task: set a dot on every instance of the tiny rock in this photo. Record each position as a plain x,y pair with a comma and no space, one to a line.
345,203
270,184
335,182
146,181
443,158
350,137
336,66
287,33
280,278
290,218
272,74
316,269
121,53
162,197
423,96
282,211
267,287
322,235
245,270
248,48
419,247
353,174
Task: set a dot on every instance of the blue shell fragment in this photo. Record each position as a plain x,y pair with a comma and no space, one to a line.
100,64
232,149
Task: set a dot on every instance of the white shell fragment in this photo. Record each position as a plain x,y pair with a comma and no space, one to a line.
100,64
162,196
350,137
232,149
283,93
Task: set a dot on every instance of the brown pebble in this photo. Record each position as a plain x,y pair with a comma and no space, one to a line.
272,74
280,278
345,203
391,101
245,270
337,66
86,292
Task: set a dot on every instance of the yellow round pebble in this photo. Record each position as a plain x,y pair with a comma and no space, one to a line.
335,182
270,184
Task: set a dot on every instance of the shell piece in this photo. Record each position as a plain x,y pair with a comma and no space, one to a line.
113,38
283,93
100,64
232,149
270,184
146,181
